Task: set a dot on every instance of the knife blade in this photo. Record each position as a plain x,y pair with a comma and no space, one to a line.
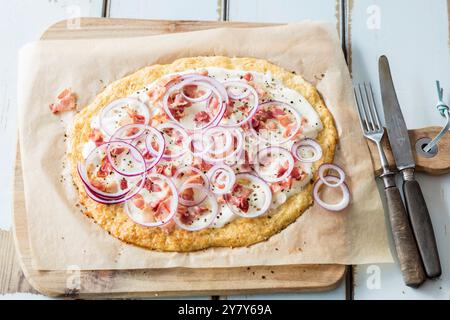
395,123
401,149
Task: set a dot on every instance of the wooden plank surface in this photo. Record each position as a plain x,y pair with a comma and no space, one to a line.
29,18
415,37
177,281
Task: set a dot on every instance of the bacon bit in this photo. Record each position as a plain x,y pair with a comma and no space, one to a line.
178,101
100,185
160,116
177,137
214,104
202,116
123,184
239,197
170,170
200,164
187,194
136,117
282,169
285,120
66,101
138,201
248,76
221,199
96,136
195,179
117,151
203,72
105,169
187,216
278,112
163,208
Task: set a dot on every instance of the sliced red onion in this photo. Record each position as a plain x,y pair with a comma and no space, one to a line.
260,188
216,175
136,163
215,157
270,151
309,144
202,222
101,152
199,144
136,216
121,104
204,97
328,166
121,134
248,90
212,134
284,106
345,201
216,88
180,129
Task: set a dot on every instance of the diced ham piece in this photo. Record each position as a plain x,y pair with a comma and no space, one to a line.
66,101
96,136
202,116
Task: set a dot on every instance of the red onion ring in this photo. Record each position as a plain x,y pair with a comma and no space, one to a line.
275,149
180,129
284,106
209,156
216,88
212,132
213,211
135,153
173,203
332,207
221,169
264,188
251,91
310,144
329,166
119,134
204,97
119,104
199,144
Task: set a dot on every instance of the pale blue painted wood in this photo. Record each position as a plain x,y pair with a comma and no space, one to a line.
167,9
282,10
414,36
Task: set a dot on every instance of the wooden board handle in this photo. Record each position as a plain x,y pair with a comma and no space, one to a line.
439,164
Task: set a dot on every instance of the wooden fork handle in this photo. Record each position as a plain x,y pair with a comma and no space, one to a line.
437,165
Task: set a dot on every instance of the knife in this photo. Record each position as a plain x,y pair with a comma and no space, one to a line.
401,149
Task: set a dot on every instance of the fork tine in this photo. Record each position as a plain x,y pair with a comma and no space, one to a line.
374,108
358,104
368,108
362,110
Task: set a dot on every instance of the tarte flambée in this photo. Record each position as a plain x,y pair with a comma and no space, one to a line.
203,152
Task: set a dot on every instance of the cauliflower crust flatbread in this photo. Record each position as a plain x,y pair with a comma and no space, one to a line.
237,233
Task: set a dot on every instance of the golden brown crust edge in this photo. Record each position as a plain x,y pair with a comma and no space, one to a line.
238,233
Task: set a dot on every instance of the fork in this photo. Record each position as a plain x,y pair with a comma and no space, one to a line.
405,244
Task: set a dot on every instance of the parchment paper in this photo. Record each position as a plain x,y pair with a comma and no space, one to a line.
61,237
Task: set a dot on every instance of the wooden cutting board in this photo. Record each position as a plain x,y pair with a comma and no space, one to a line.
157,282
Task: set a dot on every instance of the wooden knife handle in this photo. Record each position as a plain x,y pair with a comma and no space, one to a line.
422,227
405,244
439,164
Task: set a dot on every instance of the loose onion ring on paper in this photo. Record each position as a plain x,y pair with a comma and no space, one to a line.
239,232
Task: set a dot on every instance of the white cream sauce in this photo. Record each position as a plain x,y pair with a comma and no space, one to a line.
275,91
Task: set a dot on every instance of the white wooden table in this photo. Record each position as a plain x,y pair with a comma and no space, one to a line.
413,33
